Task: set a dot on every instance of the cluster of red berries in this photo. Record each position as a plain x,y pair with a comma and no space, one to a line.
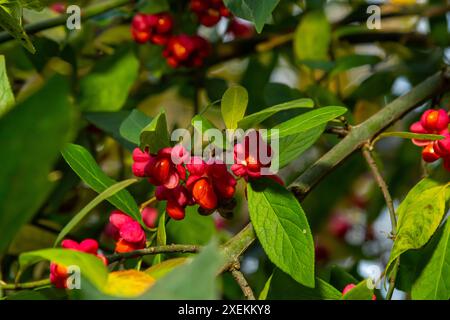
156,28
59,273
183,180
179,50
184,50
434,122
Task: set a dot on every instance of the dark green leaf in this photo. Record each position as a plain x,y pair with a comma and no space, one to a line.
132,126
282,229
110,123
292,146
109,192
107,86
84,165
258,117
202,125
155,135
257,11
309,120
190,281
283,287
193,229
434,281
30,144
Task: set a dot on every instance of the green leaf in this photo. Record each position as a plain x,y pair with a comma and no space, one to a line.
312,37
107,86
109,192
193,229
215,88
419,215
110,123
11,21
30,144
91,267
190,281
84,165
132,126
339,277
234,104
283,287
292,146
258,117
161,236
6,95
202,125
159,270
360,292
434,281
282,229
309,120
257,11
155,135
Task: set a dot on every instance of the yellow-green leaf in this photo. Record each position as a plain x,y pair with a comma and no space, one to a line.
234,104
419,216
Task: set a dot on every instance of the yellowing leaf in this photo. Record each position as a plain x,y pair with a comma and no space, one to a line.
128,283
419,216
161,269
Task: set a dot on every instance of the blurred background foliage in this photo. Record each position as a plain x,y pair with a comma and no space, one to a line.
322,50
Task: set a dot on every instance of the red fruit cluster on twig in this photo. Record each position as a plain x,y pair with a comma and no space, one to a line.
154,28
252,157
179,50
59,274
126,231
187,51
183,50
434,122
183,180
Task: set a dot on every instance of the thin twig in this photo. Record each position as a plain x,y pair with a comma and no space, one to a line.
241,281
392,279
366,151
25,285
382,184
180,248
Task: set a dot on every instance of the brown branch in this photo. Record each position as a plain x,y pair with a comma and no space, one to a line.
172,248
241,281
382,184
